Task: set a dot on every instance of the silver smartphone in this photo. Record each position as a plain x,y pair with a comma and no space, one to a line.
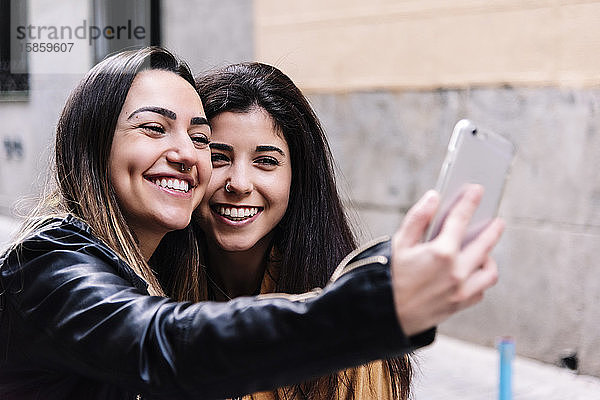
477,156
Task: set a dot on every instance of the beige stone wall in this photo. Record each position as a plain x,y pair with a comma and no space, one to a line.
342,45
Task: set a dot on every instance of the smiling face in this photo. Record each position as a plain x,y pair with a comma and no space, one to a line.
160,160
252,159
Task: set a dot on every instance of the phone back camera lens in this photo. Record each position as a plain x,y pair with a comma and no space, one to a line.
474,132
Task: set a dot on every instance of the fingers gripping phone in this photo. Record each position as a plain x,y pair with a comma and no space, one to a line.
474,156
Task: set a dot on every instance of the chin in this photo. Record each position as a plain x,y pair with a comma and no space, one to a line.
235,246
179,227
175,225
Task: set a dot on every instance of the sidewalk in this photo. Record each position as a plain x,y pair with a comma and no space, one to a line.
451,369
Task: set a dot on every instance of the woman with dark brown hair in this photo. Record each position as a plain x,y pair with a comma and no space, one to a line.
271,219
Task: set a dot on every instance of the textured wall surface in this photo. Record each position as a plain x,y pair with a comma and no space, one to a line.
209,33
353,44
389,147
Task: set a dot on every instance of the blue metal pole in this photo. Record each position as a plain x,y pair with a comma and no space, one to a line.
506,349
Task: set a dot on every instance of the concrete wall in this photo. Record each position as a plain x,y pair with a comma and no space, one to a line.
209,33
389,80
389,147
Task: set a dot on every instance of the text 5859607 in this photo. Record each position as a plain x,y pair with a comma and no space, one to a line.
43,47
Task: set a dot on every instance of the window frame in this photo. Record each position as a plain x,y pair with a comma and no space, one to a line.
10,12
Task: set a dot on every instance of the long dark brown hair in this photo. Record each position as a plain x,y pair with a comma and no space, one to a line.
314,234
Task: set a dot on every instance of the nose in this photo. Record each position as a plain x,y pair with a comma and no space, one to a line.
239,181
182,150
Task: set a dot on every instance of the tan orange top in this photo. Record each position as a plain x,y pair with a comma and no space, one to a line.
369,381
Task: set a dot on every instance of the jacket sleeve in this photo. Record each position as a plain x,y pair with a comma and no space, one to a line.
77,315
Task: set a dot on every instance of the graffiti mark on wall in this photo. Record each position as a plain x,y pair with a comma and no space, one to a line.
13,149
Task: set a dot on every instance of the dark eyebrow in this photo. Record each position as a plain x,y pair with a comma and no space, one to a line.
199,121
159,110
221,146
270,148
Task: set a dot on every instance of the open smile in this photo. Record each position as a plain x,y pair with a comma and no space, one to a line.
168,182
236,213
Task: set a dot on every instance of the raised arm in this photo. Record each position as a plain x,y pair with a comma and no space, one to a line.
73,314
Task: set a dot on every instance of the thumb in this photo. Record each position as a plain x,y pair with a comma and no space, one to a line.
416,220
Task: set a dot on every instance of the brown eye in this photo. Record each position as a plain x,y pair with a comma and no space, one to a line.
219,159
200,140
155,128
267,161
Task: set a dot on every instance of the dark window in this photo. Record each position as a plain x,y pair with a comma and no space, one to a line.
132,24
14,79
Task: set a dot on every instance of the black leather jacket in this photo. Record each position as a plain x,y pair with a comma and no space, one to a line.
77,323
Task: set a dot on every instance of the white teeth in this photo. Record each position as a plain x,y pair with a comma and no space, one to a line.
172,183
237,213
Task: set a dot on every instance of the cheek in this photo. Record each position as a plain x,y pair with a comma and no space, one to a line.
217,181
117,171
280,194
129,158
204,167
214,184
202,212
114,161
285,199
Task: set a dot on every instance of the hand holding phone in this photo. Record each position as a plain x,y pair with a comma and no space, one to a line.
474,156
434,280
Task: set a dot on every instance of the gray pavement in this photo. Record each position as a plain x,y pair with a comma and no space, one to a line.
451,369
